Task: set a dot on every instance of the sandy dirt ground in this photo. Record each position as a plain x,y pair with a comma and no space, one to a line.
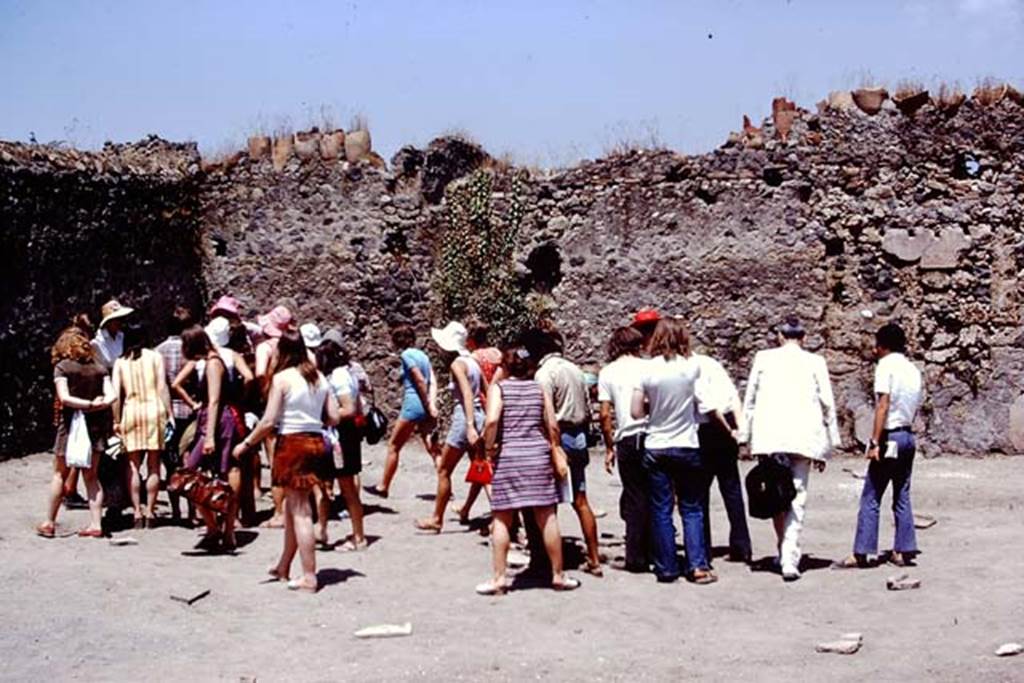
78,609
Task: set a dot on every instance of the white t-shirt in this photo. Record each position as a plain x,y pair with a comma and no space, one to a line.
303,408
343,383
615,384
717,389
898,377
671,390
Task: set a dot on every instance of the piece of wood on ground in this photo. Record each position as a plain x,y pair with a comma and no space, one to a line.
385,630
190,601
924,521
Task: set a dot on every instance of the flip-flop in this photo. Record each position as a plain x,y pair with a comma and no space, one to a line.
46,530
276,576
567,584
271,524
374,491
90,533
593,569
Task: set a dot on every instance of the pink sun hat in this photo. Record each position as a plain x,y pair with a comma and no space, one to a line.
275,323
226,304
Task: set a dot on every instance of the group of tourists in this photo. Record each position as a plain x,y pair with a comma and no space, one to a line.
208,405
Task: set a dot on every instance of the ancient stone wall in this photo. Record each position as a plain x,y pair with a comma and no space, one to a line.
864,212
77,229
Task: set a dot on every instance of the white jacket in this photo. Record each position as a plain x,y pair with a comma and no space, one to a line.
789,407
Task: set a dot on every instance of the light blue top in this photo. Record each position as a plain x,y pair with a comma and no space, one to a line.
414,358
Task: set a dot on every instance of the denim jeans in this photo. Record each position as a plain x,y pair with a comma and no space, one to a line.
633,505
720,452
880,472
676,472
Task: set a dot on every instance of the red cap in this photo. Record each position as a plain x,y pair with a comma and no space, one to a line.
646,315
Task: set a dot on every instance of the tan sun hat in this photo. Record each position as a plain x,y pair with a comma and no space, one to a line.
112,310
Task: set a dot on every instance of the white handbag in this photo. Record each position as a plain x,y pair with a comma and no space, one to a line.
79,448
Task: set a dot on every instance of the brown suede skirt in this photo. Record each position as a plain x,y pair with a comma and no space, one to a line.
301,461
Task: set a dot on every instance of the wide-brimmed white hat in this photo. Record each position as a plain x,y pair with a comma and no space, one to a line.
113,310
219,331
452,337
311,335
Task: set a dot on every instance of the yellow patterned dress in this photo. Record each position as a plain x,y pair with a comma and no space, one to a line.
143,415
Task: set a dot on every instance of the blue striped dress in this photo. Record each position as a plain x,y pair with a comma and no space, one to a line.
523,474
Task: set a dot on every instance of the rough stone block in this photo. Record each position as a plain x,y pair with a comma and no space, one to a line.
1017,425
944,252
906,247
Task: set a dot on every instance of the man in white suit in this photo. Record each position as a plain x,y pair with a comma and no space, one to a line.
790,416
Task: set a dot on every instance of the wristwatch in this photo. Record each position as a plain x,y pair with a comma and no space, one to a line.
872,444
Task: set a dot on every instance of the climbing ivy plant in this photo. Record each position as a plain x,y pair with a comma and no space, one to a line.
475,273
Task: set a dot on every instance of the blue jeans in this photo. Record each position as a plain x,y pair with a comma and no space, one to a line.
676,472
880,473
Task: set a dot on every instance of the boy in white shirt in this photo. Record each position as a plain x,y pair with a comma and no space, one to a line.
890,453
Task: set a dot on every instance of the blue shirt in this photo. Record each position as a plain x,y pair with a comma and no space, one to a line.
414,358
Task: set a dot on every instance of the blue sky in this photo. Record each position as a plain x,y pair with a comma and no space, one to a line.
547,82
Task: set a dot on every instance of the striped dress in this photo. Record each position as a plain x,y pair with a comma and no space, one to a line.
143,416
523,474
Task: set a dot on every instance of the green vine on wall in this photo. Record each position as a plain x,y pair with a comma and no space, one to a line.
475,273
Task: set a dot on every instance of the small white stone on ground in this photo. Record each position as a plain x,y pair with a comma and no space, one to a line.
385,630
902,582
839,647
1009,649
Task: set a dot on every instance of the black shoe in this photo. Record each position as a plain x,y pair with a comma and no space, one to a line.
739,556
74,501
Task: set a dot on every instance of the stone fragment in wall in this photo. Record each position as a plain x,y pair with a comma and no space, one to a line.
259,147
940,355
870,100
332,145
863,423
944,252
307,144
841,100
357,145
282,151
906,247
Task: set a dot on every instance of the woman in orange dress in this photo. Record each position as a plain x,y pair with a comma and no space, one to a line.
142,409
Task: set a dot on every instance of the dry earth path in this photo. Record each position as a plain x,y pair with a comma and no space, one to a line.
75,609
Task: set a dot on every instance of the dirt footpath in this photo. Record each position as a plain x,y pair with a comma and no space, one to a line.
77,609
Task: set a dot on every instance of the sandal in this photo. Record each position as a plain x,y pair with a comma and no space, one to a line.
703,578
376,491
351,546
491,588
566,584
273,523
90,533
46,530
276,576
852,562
900,560
593,569
427,526
298,585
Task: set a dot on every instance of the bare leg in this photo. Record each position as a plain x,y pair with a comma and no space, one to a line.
152,482
94,492
350,491
58,484
588,525
231,515
276,492
302,523
399,436
450,457
500,542
284,564
323,511
134,460
547,520
71,484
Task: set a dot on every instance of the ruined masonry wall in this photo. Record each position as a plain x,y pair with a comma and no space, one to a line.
850,220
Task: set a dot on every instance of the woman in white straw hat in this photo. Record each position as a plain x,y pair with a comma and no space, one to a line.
467,416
